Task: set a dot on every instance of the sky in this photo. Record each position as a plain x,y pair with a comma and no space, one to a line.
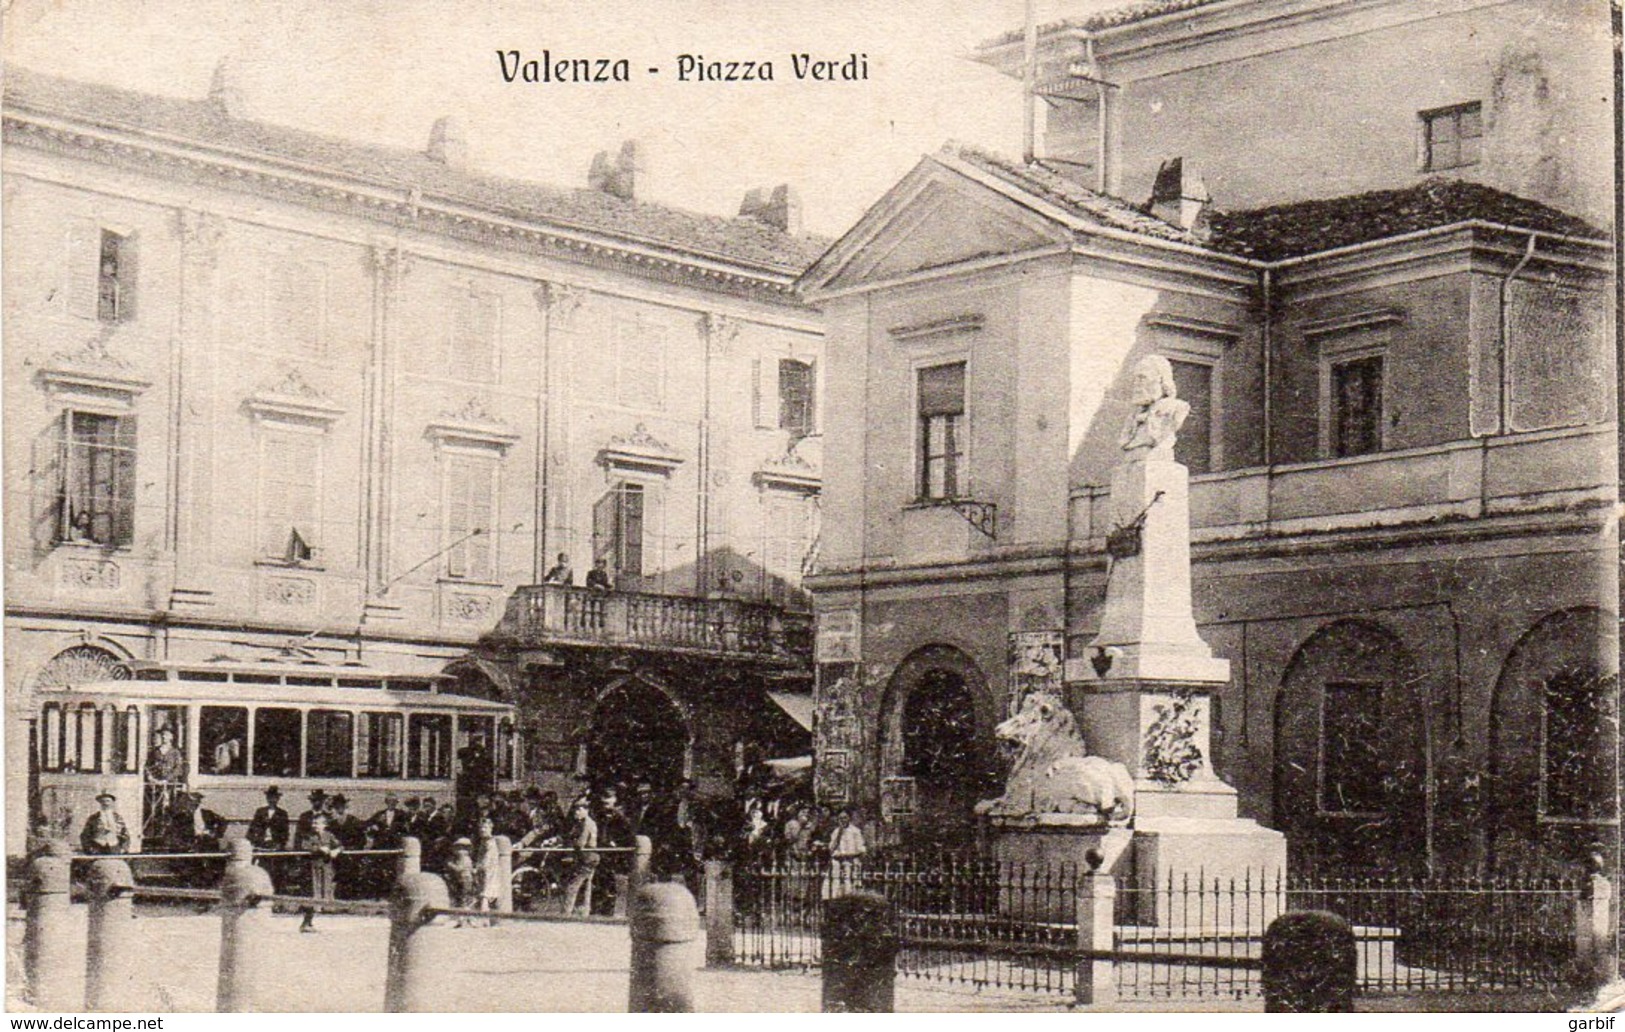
382,71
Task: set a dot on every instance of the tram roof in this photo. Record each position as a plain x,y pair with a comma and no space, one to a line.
177,669
215,693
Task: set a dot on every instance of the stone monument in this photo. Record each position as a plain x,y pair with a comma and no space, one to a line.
1142,694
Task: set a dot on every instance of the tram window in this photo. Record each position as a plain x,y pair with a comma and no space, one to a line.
276,742
257,678
329,744
152,675
51,736
305,681
127,747
218,676
221,732
429,738
360,682
87,735
381,741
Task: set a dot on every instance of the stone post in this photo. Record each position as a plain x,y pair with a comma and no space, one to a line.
1310,964
860,954
111,945
665,925
504,893
623,893
411,859
1097,903
409,981
48,954
245,926
643,852
1594,957
719,914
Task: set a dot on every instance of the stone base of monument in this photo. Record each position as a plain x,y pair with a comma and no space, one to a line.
1203,874
1041,856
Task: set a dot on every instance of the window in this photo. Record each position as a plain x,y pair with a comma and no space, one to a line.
1574,746
941,407
795,397
221,734
290,475
1451,136
640,363
787,539
381,745
97,489
71,738
429,745
1194,447
296,305
101,274
126,739
618,526
51,737
472,354
276,742
470,483
1356,406
1351,764
329,744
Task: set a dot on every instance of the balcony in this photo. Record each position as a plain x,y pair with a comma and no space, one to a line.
542,615
1512,475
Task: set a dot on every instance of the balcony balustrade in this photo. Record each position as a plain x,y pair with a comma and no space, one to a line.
540,615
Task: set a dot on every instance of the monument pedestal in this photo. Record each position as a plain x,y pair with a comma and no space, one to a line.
1056,845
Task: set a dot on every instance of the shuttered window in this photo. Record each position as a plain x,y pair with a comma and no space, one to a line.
99,281
96,490
618,530
472,354
470,488
289,502
941,413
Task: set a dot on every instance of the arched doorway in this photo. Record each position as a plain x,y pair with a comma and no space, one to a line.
1351,753
639,732
1550,796
940,756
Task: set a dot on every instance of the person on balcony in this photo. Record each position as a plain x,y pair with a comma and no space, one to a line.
598,576
561,573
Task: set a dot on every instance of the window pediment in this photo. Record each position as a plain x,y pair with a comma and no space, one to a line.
293,400
92,376
639,451
790,472
472,426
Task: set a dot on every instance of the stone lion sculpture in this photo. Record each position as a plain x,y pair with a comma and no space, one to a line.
1053,772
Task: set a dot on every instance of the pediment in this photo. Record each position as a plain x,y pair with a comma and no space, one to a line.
934,219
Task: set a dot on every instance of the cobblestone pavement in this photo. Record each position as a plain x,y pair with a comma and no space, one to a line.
514,967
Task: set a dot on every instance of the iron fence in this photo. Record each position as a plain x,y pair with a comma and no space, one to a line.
980,923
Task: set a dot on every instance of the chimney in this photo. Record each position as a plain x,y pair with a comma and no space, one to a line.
1178,200
448,143
779,207
618,179
224,93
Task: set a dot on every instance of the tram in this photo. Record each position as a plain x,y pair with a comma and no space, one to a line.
230,729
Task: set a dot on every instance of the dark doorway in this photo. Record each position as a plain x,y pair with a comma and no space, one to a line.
950,758
638,733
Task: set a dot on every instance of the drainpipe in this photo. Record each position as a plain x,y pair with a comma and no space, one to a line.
1503,401
1266,342
1100,118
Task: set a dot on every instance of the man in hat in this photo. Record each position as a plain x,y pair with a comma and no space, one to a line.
460,876
199,829
105,831
318,804
344,824
388,826
269,827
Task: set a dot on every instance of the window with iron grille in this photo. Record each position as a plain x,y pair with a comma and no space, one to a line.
1351,766
940,404
795,397
1451,136
96,490
1356,406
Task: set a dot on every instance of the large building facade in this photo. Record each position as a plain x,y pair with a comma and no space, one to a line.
1402,443
269,389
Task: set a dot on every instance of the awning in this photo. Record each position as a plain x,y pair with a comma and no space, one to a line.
797,705
790,765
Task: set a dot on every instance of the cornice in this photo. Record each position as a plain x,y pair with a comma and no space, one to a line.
330,190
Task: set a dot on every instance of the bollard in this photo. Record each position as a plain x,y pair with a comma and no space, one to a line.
860,954
409,983
504,874
719,914
245,926
1595,961
411,859
111,946
665,924
48,954
1097,901
1310,964
642,853
623,895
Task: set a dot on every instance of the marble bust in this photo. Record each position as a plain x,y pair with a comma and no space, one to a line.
1149,434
